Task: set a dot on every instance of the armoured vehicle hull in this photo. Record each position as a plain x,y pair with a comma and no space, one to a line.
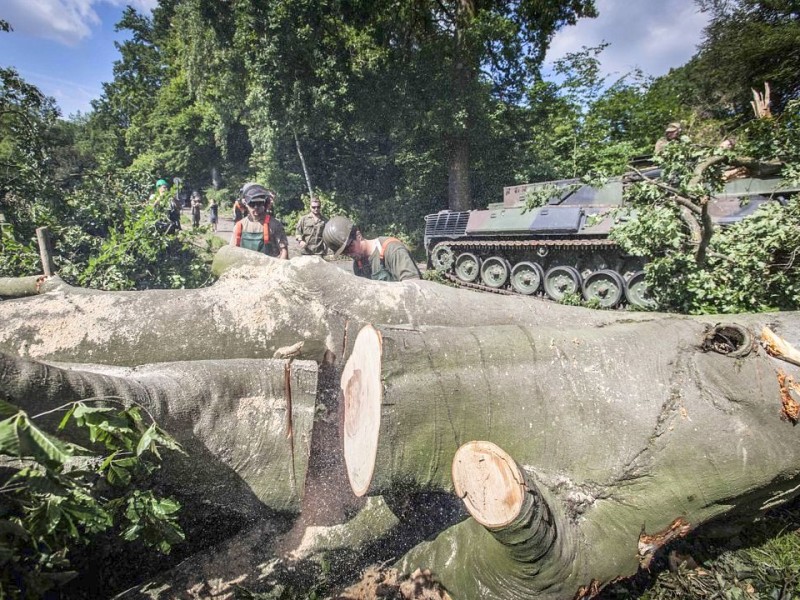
564,248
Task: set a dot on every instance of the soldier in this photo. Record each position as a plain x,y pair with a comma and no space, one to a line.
260,230
213,214
308,232
671,133
174,215
162,189
383,258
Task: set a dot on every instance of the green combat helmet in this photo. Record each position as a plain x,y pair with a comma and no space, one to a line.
337,234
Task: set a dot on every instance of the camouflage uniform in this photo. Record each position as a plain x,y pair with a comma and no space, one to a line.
397,264
309,229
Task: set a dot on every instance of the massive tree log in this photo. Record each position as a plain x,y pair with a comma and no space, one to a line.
629,435
588,438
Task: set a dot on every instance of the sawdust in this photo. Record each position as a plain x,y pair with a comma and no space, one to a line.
380,582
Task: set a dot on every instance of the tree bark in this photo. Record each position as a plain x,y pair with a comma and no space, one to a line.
520,547
259,305
458,190
630,428
457,141
212,408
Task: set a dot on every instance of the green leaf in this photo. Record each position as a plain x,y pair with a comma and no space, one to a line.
9,436
67,416
46,449
107,461
147,441
167,506
155,436
117,475
37,481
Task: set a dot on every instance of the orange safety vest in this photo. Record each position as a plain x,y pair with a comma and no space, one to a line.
237,232
386,242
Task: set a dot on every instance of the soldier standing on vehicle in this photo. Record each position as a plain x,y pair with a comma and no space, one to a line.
673,132
382,259
308,232
259,230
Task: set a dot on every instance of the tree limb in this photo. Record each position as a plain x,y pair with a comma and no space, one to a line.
676,195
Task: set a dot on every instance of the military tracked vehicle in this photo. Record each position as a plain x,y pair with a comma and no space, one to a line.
563,248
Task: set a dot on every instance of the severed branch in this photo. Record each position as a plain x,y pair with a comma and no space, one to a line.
778,347
761,102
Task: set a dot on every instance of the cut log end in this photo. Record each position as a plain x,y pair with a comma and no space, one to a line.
489,482
363,394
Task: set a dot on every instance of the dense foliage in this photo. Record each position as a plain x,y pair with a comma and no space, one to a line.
56,494
744,267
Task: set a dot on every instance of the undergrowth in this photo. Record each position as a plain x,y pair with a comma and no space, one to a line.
760,561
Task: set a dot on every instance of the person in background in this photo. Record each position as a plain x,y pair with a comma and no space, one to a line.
174,215
213,214
382,258
239,208
259,230
673,132
196,206
308,232
162,187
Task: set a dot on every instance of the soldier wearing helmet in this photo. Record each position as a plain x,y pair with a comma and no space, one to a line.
259,230
382,259
162,189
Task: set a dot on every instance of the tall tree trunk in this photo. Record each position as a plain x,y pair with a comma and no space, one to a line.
458,140
458,190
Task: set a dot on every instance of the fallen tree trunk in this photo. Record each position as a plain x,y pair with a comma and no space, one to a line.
631,428
258,306
633,431
19,287
212,408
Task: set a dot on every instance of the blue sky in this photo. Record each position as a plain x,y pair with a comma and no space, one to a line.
66,47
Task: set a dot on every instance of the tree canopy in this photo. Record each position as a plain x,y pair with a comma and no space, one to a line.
388,110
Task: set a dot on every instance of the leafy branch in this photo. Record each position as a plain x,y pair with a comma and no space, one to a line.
56,494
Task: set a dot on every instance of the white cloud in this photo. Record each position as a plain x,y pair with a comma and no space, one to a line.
65,21
651,35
